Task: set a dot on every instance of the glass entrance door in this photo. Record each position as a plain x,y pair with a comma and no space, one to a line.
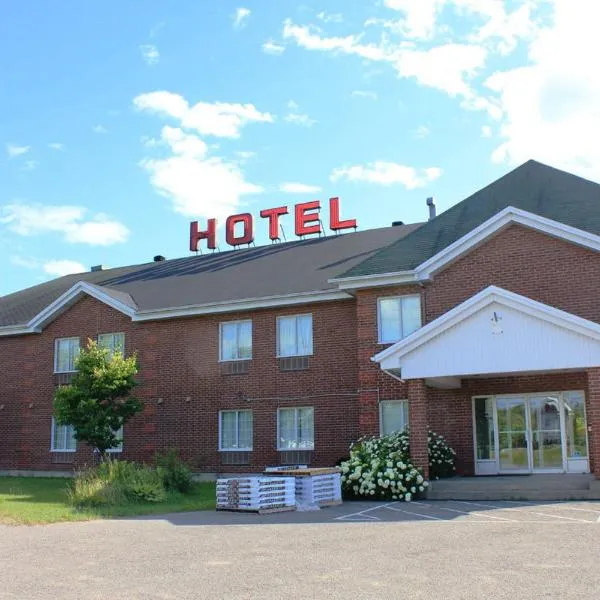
513,434
546,435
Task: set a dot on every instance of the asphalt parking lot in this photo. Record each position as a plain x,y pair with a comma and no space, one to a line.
360,550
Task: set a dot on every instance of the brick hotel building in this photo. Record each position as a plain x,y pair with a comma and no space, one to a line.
482,323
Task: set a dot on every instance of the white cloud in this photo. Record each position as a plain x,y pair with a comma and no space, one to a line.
69,221
296,117
219,119
240,18
486,131
273,48
25,262
330,17
387,173
60,268
550,106
99,129
364,94
197,184
299,188
150,54
420,16
56,146
245,154
14,150
422,131
30,165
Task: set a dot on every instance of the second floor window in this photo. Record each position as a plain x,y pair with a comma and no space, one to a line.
65,352
294,336
398,317
236,340
113,342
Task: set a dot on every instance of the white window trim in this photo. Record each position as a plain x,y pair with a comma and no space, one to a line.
221,359
295,409
379,323
52,448
122,333
56,342
237,411
381,402
312,340
118,449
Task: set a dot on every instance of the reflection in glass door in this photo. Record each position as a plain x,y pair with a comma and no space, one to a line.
546,443
512,434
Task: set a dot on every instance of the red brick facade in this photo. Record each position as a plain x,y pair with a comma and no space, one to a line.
183,385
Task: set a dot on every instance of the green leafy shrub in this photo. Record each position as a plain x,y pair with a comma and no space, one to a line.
146,491
442,458
175,474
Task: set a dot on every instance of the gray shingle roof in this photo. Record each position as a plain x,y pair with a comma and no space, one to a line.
273,270
533,187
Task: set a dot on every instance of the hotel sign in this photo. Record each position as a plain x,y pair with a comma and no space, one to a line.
239,229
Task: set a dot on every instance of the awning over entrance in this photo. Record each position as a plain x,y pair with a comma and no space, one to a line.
495,331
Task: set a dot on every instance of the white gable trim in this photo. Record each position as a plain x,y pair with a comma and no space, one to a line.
484,298
468,241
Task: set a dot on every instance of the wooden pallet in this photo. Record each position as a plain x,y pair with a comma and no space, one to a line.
260,511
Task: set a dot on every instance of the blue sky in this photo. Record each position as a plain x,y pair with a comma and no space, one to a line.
120,122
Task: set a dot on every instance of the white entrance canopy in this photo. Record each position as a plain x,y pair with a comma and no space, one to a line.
494,332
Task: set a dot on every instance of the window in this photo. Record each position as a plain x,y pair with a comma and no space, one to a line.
296,428
119,446
235,430
65,353
114,342
393,416
236,340
398,317
294,336
62,438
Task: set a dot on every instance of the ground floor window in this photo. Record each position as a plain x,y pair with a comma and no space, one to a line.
296,428
525,433
119,446
235,430
63,438
393,416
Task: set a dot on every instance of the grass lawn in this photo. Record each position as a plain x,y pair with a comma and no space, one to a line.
35,500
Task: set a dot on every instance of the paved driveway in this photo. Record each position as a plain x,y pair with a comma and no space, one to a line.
445,550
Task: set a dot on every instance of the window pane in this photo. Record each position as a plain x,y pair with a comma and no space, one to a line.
389,320
393,416
245,429
228,430
484,429
114,342
287,336
119,446
71,442
574,403
306,429
245,339
304,335
287,428
411,314
228,341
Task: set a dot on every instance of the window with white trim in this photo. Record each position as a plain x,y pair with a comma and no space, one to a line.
393,416
66,350
296,428
62,438
398,317
294,335
235,340
113,342
119,446
235,430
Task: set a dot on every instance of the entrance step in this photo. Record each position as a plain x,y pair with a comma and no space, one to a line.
525,487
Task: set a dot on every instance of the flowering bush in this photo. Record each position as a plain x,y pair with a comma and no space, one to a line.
442,458
379,467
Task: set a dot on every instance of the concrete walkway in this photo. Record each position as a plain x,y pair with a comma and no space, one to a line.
357,551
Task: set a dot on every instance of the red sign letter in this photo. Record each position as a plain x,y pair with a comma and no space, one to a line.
273,215
209,234
334,217
246,237
307,222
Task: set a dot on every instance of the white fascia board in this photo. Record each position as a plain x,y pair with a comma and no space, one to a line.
377,280
485,297
500,220
241,305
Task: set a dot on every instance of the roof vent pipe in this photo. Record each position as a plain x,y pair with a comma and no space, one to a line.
159,258
431,205
397,223
96,268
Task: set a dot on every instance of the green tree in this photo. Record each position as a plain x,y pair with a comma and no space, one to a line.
97,402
